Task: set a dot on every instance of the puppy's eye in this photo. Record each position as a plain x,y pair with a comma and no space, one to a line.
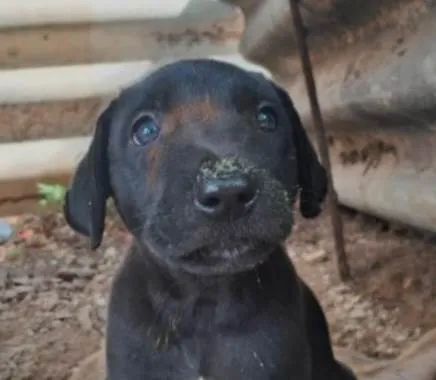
267,118
144,130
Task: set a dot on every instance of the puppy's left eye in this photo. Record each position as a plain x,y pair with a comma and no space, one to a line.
267,118
144,130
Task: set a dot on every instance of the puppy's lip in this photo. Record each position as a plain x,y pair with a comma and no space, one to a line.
226,258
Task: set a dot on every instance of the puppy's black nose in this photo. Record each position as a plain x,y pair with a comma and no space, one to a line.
231,196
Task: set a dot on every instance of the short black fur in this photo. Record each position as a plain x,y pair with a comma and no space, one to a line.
206,290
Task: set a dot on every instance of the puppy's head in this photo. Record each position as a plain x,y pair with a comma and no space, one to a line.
204,161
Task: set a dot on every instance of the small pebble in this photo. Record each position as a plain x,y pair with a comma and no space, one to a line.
6,231
50,301
317,256
84,318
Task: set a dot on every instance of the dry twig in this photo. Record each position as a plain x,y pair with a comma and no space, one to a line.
341,261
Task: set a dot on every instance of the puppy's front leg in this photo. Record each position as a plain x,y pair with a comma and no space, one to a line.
134,355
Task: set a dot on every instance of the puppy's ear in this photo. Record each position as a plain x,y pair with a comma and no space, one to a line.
85,199
312,176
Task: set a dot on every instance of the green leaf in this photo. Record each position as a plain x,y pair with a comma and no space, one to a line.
50,193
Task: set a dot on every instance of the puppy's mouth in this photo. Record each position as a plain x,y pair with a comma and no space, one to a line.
226,258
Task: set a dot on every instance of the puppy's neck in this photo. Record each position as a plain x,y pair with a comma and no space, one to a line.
215,300
163,276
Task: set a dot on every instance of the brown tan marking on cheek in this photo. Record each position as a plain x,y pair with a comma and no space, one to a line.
199,111
152,156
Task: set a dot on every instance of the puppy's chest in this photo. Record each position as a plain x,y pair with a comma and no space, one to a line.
266,353
227,359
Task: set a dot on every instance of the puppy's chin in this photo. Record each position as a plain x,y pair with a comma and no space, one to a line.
208,248
224,259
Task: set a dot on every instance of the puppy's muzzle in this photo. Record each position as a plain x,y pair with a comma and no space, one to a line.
225,192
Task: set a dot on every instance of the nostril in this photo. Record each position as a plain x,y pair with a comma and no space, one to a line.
211,201
246,197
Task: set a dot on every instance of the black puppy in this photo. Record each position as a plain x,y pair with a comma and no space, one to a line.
204,161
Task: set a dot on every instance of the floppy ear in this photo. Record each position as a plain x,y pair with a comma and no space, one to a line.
312,176
85,199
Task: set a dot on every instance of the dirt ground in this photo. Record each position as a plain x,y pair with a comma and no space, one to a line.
53,291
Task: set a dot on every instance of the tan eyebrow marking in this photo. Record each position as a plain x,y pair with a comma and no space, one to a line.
201,111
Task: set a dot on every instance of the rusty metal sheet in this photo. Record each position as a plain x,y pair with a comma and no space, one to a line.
120,41
48,120
375,68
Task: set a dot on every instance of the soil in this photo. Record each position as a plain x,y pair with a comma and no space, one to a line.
53,290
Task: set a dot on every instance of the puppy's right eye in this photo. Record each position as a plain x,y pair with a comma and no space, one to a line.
267,118
144,130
